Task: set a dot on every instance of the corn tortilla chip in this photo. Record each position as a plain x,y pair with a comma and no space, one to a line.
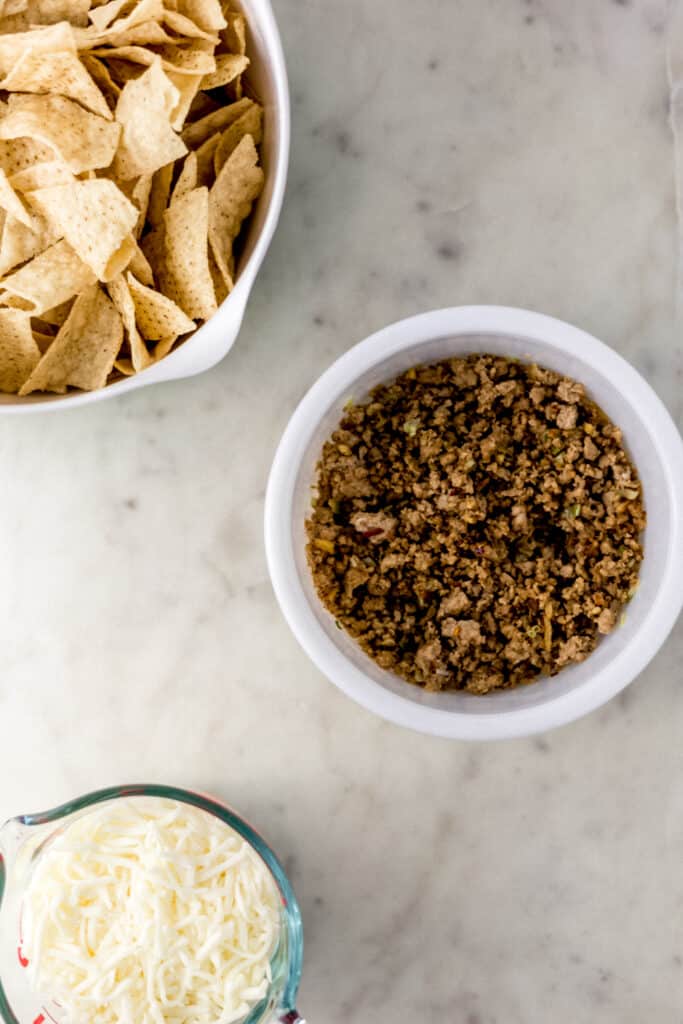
40,40
48,172
222,279
186,254
235,34
51,12
20,243
144,110
19,353
228,67
187,86
187,179
199,131
250,123
125,367
184,26
83,353
11,202
143,11
96,220
58,314
202,105
163,347
83,140
123,300
43,341
102,17
205,154
156,315
205,13
154,250
191,59
147,33
139,266
101,76
19,154
230,200
140,196
161,190
60,73
51,277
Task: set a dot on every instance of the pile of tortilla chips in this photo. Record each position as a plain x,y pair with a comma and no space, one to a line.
128,164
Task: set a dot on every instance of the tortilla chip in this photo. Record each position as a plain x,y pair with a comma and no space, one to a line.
101,75
250,123
144,110
154,250
14,24
163,347
156,315
186,254
19,353
195,58
123,300
49,172
230,200
60,73
125,367
139,266
11,7
138,191
102,17
19,154
40,40
184,26
235,34
199,131
20,243
52,12
143,11
187,86
161,190
11,202
205,13
43,341
205,154
187,180
202,105
58,314
83,353
96,220
49,278
228,67
223,282
83,140
147,33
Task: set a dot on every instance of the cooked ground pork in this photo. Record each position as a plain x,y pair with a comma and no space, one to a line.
477,523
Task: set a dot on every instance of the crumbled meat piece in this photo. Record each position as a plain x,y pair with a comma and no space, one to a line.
477,523
456,602
606,621
566,417
571,391
374,526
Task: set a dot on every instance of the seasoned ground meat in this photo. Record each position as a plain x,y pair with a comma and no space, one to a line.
477,523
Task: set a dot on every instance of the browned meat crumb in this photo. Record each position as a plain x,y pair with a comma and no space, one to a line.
477,523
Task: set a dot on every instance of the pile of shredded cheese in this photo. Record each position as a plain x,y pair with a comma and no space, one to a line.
148,911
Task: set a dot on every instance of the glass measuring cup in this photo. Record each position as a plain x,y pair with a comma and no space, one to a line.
22,840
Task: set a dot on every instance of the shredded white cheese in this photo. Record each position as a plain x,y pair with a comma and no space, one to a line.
148,911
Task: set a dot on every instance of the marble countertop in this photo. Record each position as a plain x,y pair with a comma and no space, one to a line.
444,152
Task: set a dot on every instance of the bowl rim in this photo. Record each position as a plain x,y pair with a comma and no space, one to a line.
175,365
339,377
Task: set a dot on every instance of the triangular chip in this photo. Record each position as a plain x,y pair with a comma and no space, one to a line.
161,190
123,300
101,75
19,154
250,123
205,13
230,200
184,26
51,12
19,353
163,347
143,11
102,16
139,266
83,353
95,218
154,250
138,191
187,86
187,179
205,155
20,243
194,58
60,73
144,112
50,278
198,131
223,283
11,202
235,34
40,40
156,315
186,254
49,172
58,314
228,67
147,33
83,140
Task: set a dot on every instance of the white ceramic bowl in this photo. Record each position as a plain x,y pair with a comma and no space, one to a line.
652,440
267,76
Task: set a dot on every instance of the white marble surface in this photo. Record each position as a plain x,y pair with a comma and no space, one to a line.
444,152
